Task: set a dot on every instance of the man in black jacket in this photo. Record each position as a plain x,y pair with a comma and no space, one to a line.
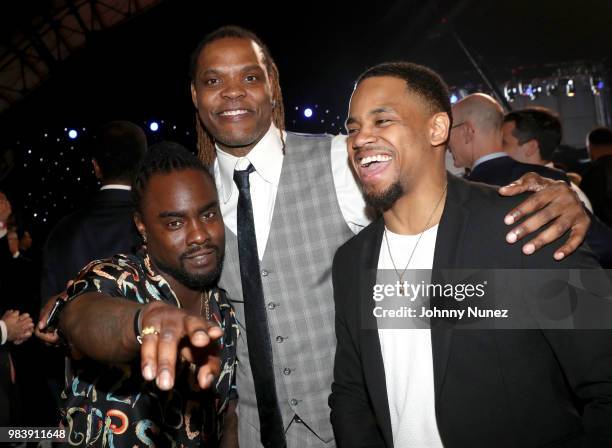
445,386
104,227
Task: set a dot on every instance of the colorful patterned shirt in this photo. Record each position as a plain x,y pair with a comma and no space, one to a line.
113,406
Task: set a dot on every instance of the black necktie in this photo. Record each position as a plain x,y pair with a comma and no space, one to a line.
258,336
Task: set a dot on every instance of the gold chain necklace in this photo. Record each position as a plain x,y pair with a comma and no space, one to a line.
205,304
401,276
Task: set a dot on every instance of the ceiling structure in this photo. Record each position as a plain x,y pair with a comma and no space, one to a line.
43,34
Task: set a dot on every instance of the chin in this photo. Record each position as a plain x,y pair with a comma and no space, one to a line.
383,199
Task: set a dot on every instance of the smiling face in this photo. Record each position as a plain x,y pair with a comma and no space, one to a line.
391,134
232,93
183,225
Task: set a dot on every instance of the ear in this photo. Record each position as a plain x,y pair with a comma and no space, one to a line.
439,129
139,224
531,148
194,95
97,169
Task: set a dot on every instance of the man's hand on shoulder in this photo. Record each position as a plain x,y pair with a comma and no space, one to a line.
170,334
554,203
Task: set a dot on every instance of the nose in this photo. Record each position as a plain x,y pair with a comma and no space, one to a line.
233,90
198,233
362,137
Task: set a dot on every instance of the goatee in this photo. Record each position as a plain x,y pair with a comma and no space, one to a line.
384,200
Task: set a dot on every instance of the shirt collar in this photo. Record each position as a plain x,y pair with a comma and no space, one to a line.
116,187
493,155
266,157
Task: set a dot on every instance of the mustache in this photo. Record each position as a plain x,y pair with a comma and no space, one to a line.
195,249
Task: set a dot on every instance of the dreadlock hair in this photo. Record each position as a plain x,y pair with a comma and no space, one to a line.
163,158
206,142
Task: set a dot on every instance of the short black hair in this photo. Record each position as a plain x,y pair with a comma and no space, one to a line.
163,158
420,80
539,124
117,147
600,136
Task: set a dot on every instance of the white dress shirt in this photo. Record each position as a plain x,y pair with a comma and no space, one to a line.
267,159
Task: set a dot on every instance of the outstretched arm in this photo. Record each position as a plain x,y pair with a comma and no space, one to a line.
104,328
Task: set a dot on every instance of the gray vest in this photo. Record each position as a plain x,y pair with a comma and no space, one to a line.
307,228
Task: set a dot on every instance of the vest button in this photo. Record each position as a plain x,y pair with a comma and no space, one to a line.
272,305
287,371
279,339
293,402
264,273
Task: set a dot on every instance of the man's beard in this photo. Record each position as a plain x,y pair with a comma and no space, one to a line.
384,200
192,281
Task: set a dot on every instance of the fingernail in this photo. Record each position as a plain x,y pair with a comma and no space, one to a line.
509,219
164,381
511,237
199,337
559,256
528,249
147,372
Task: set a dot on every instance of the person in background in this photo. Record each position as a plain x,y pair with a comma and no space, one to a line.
532,135
597,178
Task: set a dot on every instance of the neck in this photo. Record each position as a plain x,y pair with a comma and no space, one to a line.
237,151
487,144
187,297
420,207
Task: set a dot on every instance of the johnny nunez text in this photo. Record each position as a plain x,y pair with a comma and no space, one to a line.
425,312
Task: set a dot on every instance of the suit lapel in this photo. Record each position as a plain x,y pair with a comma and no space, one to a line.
371,354
448,243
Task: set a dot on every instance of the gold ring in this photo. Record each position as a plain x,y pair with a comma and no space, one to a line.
149,330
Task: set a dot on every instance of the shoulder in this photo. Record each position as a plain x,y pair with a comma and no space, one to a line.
314,141
114,267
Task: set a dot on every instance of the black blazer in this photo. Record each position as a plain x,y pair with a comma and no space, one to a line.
103,228
503,170
492,388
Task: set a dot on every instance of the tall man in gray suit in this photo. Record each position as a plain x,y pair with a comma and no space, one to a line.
292,201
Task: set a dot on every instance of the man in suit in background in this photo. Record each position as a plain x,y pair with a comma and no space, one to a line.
439,387
104,227
597,179
531,136
101,229
476,143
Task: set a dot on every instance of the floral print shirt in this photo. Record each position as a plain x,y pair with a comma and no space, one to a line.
113,406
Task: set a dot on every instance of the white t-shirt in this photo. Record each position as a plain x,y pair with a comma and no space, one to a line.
407,354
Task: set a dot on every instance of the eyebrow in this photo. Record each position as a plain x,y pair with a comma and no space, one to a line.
182,214
246,68
378,110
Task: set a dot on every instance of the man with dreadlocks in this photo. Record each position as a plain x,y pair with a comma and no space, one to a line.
289,202
149,334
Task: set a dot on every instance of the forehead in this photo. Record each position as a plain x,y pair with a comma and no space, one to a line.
178,190
386,92
230,53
